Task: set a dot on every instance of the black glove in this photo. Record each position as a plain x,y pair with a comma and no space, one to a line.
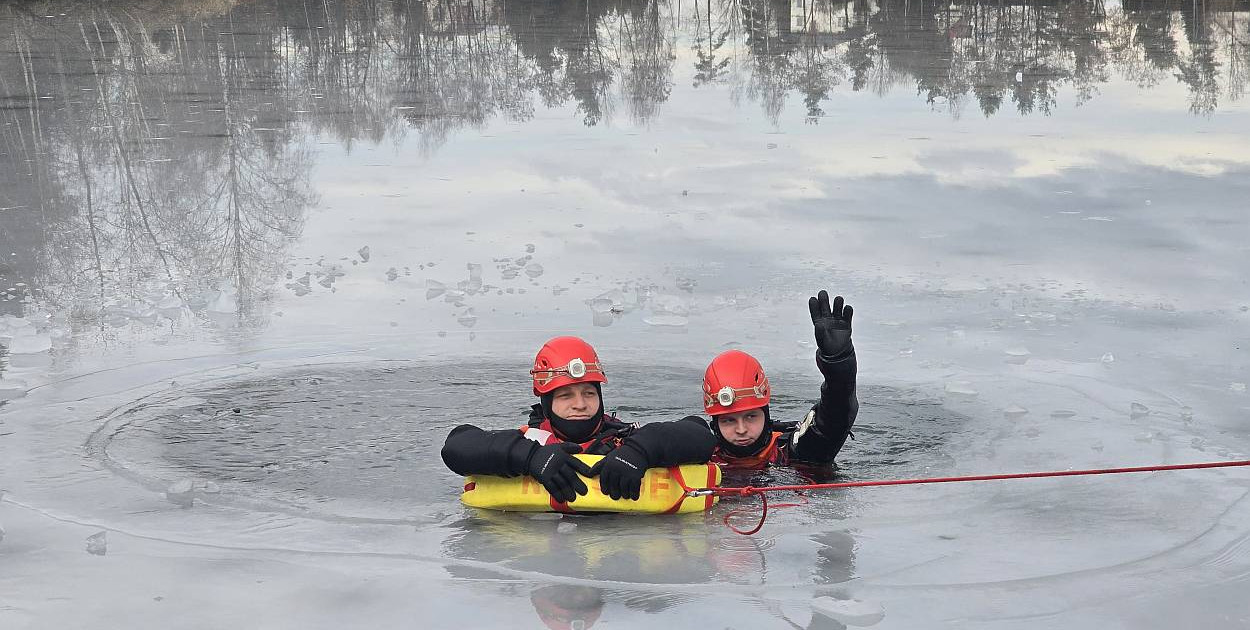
555,467
833,326
621,471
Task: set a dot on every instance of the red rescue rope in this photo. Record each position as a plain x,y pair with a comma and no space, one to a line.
763,515
761,491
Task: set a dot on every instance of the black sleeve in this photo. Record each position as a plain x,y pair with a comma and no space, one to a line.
686,441
824,430
473,451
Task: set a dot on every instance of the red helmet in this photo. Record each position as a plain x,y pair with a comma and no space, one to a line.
564,361
734,381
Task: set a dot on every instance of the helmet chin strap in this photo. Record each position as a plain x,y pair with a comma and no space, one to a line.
750,449
573,430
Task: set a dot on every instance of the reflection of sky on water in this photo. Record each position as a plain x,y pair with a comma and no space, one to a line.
1038,212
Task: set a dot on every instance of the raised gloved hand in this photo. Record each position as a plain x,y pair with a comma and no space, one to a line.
833,325
621,471
555,467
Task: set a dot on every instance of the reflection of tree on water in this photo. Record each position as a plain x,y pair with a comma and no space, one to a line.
580,47
1018,51
161,185
1199,69
647,61
708,41
563,40
154,164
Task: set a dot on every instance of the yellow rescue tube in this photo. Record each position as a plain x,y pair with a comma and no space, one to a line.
661,493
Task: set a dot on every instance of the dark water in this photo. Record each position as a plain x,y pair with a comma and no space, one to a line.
363,442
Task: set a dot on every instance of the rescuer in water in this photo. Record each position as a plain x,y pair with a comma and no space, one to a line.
736,394
569,418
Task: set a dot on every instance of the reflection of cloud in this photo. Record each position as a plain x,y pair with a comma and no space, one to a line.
985,206
1011,230
970,164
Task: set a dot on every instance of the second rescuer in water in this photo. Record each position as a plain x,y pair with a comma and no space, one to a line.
736,394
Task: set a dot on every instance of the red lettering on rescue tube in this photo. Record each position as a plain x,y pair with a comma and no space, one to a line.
658,479
530,486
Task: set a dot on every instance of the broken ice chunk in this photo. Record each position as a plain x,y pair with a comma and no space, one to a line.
669,303
475,273
533,270
1138,410
98,544
851,612
169,306
961,389
433,289
1013,412
364,253
30,344
225,301
608,301
663,319
181,493
12,388
302,286
544,516
1017,356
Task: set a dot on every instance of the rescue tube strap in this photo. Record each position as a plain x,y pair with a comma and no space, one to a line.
675,473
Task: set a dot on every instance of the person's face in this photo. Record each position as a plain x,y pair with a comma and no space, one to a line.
579,401
742,428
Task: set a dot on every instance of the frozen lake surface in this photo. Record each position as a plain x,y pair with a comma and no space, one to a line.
257,259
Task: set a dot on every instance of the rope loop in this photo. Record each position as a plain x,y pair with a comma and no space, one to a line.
742,510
